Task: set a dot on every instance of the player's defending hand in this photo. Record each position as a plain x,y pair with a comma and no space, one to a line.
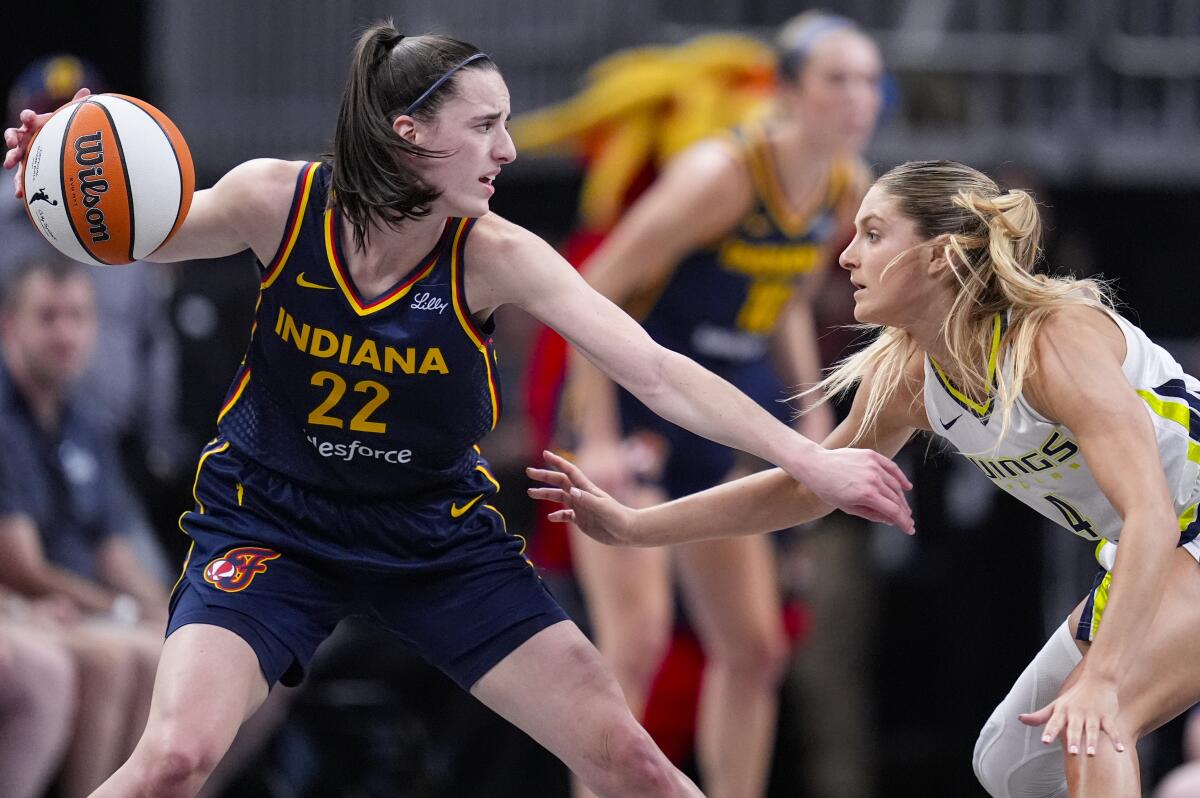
859,481
1082,715
17,138
595,512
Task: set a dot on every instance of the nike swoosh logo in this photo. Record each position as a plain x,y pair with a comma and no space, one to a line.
300,281
456,511
951,423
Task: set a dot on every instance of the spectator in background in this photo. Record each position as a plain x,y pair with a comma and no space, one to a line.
63,510
37,707
133,381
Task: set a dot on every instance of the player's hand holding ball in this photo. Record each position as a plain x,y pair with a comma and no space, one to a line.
107,179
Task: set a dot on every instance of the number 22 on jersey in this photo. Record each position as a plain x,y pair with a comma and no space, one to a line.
323,414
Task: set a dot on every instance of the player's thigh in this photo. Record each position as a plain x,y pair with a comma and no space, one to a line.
732,593
1161,682
557,689
208,682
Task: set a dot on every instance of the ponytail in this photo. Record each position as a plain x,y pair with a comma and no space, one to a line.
373,181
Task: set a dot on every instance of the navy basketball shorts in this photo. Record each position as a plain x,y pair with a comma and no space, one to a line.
280,564
694,463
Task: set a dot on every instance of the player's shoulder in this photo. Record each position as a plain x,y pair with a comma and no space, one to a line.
497,240
263,181
1078,329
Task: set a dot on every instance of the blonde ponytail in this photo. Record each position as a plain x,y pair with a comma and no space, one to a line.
993,242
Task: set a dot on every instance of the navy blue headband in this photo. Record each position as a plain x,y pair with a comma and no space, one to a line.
792,58
437,84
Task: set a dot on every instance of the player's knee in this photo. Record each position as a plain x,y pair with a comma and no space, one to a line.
990,765
756,660
1010,763
634,764
176,764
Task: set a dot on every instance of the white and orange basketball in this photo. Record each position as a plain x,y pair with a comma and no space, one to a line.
108,179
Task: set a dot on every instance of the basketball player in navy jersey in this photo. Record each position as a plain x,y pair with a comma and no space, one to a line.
728,283
345,477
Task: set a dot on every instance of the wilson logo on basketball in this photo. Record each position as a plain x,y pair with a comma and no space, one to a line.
108,179
89,153
236,570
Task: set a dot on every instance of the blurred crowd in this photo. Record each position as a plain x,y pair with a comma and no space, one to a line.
109,385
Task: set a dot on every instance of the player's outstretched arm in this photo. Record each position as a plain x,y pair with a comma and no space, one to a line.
525,271
761,502
245,209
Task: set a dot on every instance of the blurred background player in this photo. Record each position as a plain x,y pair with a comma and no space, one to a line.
721,258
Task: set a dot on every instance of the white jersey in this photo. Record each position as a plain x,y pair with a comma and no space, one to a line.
1039,461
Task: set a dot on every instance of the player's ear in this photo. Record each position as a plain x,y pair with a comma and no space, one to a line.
406,128
940,258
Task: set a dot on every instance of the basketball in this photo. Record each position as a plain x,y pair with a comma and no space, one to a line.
108,179
220,569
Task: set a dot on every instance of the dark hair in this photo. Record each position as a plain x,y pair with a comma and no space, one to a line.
54,266
372,182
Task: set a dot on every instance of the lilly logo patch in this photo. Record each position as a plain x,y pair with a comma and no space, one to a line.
236,570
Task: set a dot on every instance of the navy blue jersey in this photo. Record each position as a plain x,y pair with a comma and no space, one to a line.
721,303
380,396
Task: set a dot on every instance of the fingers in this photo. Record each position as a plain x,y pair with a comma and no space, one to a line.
1110,728
562,516
1091,733
888,510
577,477
1054,727
556,478
549,495
1074,733
555,460
1080,731
863,511
1038,718
893,469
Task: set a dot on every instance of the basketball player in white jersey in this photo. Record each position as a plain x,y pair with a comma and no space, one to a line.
1060,402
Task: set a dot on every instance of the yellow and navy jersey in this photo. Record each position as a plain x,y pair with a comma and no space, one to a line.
721,303
385,395
1039,461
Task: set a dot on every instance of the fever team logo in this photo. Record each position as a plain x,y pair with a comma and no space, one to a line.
236,570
